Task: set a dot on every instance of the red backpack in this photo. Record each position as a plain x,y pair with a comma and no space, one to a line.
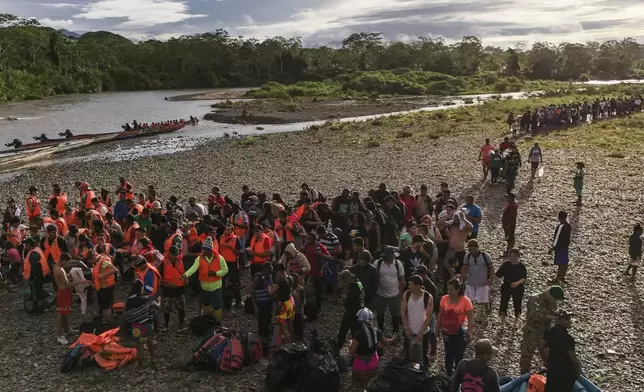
233,356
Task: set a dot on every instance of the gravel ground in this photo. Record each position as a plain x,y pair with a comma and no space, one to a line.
608,306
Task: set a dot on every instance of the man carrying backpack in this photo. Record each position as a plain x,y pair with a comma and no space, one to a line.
353,299
417,312
479,270
474,375
390,287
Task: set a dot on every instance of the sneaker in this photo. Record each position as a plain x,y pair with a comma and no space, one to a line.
62,340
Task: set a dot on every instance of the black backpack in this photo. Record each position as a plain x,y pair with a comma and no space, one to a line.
426,296
321,374
95,326
379,264
285,366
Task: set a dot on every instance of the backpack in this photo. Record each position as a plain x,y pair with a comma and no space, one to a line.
472,383
400,376
486,259
285,366
426,296
72,358
233,356
95,326
200,325
379,264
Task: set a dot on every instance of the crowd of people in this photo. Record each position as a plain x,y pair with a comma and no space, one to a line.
158,124
414,256
562,115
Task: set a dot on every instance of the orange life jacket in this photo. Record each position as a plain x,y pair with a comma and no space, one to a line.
136,210
205,267
61,200
70,218
168,242
128,235
228,252
537,383
107,202
61,225
239,220
284,230
157,277
52,249
172,273
192,236
15,235
86,198
81,253
26,270
106,282
35,212
258,247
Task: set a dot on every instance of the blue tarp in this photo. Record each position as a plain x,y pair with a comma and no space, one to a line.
520,384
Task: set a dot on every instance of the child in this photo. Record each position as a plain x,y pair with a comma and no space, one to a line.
282,290
139,311
346,261
635,249
299,296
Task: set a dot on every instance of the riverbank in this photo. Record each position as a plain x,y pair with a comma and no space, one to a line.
422,148
276,111
233,93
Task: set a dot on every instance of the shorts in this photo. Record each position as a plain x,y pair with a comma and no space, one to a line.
286,311
64,301
212,298
105,298
380,304
168,304
479,294
459,255
142,332
486,163
364,369
561,257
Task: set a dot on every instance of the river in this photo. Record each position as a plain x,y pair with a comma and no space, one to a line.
106,112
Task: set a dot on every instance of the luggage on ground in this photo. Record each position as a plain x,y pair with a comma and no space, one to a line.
400,376
200,325
285,367
321,374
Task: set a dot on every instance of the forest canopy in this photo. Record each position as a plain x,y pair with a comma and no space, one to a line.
37,61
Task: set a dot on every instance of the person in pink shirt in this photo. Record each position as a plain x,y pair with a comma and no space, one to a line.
410,203
484,156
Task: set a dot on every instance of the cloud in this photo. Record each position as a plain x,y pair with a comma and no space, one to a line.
138,13
56,24
58,5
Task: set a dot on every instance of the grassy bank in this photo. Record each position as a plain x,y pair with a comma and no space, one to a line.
404,82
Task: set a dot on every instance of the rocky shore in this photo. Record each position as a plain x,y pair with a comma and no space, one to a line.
609,310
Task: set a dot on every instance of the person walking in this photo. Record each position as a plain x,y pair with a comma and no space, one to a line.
509,221
455,308
478,270
560,245
474,215
578,181
353,300
535,158
173,288
63,298
390,287
557,350
634,250
539,316
514,275
485,155
417,310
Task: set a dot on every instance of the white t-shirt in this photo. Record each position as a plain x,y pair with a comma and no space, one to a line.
389,286
535,154
417,314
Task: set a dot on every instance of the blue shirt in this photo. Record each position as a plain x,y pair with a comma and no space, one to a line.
475,212
120,210
148,282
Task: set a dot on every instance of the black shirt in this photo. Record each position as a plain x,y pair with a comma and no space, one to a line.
561,239
284,291
635,246
363,340
559,343
411,260
369,276
511,273
354,299
473,369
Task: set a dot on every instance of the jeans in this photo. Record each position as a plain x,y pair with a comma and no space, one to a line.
454,350
264,318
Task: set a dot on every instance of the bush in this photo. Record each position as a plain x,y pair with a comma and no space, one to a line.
501,86
490,79
584,78
404,134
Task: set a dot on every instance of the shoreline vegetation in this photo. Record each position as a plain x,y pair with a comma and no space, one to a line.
411,149
37,62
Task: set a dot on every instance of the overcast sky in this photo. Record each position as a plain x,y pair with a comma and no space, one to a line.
497,22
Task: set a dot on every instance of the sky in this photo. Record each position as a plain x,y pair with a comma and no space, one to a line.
501,23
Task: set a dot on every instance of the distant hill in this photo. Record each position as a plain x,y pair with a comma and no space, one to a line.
69,34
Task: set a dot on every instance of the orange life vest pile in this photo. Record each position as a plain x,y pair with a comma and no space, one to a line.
106,350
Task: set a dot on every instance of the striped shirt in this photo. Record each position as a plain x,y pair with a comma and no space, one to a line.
139,309
330,241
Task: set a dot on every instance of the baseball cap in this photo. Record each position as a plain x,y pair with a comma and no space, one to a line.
556,292
389,251
485,347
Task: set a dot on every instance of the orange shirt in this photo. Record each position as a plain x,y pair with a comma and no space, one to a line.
453,315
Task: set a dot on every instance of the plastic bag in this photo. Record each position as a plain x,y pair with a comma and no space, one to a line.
321,374
285,367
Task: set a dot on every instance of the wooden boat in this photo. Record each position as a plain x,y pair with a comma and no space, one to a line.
28,158
124,135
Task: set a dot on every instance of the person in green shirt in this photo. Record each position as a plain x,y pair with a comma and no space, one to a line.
496,162
211,267
578,181
144,219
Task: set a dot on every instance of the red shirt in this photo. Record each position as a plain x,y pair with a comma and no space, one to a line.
504,146
410,206
316,265
509,216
